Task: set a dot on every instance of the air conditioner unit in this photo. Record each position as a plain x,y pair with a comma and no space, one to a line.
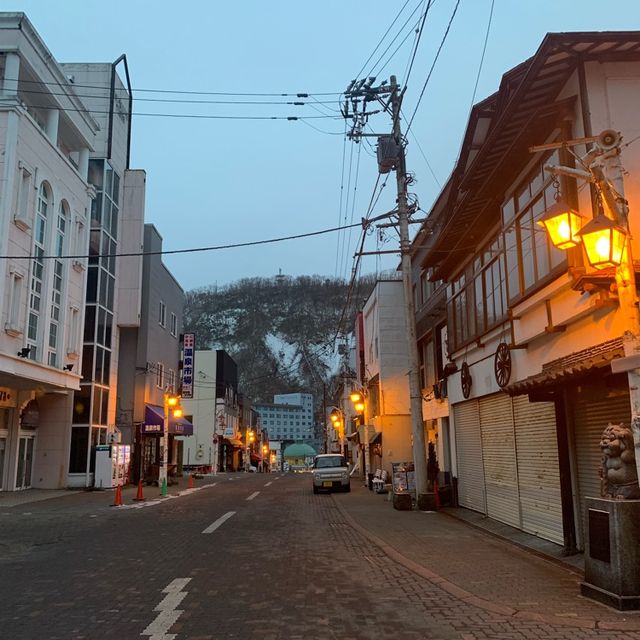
388,152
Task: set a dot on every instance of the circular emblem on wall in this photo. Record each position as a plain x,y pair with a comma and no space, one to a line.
465,380
502,364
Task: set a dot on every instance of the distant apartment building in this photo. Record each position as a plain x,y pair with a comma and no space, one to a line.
289,417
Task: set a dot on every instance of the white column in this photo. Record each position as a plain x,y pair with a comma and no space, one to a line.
83,163
11,72
51,128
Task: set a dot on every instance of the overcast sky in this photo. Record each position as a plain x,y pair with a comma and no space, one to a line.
224,181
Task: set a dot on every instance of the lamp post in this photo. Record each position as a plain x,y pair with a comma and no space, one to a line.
358,400
171,406
249,439
337,421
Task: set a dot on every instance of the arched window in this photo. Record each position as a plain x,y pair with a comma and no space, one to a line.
38,269
62,223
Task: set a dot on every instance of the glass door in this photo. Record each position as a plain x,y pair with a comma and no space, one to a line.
25,462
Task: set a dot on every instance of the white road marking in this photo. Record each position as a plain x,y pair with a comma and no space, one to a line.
155,501
253,495
168,614
221,520
268,483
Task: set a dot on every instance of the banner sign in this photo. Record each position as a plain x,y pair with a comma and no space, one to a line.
188,363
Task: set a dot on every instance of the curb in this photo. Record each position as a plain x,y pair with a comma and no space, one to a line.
482,603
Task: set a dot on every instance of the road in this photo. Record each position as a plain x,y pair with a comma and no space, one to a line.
244,556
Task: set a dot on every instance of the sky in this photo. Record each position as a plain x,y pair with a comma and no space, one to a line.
221,181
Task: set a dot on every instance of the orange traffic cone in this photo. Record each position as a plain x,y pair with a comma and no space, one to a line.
117,502
190,481
139,496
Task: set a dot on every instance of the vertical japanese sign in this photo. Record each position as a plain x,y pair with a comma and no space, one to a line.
188,362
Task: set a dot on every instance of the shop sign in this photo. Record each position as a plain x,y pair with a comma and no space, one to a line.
188,363
7,397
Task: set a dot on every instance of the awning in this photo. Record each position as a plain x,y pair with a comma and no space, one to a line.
233,442
375,438
255,457
570,367
154,421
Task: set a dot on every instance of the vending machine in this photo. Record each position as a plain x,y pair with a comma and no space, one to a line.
113,462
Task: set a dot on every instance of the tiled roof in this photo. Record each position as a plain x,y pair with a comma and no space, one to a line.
569,367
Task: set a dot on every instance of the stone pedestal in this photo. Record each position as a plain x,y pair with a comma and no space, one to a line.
402,501
427,502
612,557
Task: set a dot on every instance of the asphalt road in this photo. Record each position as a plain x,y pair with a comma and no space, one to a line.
254,556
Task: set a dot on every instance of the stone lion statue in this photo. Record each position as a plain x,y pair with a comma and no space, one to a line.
619,474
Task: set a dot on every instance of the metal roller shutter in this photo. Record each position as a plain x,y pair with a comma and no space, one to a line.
471,492
592,411
499,457
538,468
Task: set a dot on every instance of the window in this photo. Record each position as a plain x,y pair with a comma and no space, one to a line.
162,314
56,289
171,381
530,256
174,325
79,247
160,375
38,270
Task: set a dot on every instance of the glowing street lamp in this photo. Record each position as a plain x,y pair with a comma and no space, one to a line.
562,224
603,242
173,409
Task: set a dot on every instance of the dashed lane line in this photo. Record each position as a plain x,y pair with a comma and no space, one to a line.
167,612
268,483
221,520
253,495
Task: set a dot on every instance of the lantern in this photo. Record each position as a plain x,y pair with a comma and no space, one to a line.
562,224
603,241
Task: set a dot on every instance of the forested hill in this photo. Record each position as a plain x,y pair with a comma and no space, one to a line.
279,330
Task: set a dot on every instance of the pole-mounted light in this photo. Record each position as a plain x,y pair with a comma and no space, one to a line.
562,224
603,241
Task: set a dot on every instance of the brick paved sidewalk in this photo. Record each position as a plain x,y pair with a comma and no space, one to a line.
478,567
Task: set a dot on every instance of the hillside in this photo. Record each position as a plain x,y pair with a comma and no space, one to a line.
280,331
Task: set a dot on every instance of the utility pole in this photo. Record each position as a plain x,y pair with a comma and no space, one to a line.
363,90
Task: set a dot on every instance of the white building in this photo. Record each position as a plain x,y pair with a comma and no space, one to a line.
386,366
289,417
46,136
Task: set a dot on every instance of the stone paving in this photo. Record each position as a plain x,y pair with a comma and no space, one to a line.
287,565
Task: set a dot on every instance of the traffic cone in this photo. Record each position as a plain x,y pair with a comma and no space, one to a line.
139,496
117,502
163,488
190,481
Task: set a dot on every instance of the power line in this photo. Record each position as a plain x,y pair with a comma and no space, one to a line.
73,85
435,60
194,115
384,36
484,50
176,251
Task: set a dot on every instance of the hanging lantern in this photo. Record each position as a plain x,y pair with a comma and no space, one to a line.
603,242
562,224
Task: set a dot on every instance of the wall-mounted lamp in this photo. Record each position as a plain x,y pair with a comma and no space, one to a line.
24,352
562,224
603,242
68,367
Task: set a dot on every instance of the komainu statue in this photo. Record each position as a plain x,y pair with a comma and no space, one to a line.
619,474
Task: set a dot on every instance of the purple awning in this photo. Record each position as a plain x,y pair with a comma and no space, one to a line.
154,419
